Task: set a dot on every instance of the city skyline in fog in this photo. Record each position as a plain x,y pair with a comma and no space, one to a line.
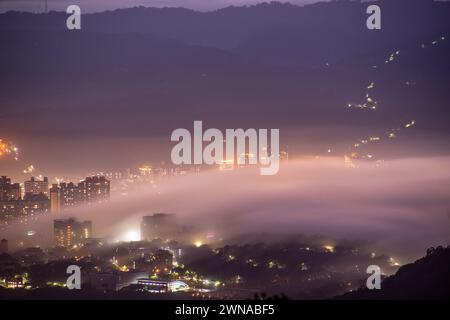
399,208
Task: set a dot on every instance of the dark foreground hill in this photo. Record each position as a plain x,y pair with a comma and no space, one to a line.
427,278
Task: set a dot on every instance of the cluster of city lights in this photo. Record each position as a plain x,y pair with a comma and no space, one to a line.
371,104
7,148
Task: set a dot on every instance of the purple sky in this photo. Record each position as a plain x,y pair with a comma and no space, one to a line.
101,5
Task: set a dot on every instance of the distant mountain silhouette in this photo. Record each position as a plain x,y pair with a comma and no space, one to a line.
276,33
427,278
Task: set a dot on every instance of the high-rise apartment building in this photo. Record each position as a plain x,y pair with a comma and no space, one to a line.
91,190
9,191
55,201
159,225
69,232
33,204
94,189
35,186
68,195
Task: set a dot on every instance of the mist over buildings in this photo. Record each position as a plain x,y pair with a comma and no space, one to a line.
400,207
87,176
